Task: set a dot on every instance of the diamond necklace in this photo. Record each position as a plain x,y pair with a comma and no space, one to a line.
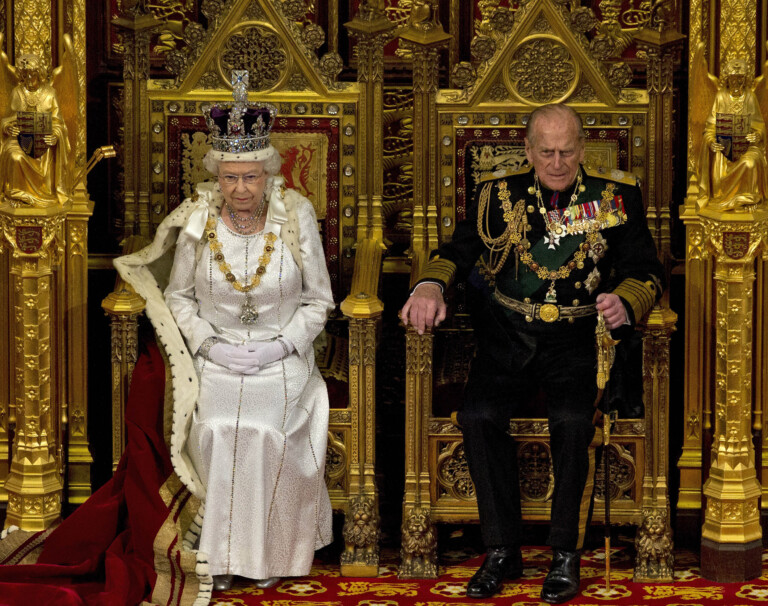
246,225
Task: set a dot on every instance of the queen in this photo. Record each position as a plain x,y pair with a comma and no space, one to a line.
249,291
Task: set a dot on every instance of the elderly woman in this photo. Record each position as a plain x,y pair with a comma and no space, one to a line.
249,291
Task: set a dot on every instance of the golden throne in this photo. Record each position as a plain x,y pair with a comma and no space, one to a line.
319,131
476,129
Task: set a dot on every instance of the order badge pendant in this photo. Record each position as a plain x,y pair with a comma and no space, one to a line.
249,313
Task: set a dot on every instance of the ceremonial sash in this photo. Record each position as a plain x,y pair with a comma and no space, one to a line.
576,224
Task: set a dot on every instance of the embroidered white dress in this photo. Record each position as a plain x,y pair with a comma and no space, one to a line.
258,441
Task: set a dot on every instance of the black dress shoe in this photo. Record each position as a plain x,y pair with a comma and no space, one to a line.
500,563
222,582
562,582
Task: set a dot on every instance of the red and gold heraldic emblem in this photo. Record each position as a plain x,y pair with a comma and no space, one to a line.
29,238
736,243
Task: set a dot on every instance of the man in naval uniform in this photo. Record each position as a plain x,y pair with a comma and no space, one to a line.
557,245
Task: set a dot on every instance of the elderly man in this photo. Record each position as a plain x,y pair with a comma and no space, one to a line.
557,244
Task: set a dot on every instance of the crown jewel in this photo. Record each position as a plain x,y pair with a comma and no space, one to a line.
240,126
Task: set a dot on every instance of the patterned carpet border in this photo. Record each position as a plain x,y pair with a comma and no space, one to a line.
325,587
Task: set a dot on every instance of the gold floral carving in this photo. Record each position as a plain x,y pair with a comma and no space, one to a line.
453,472
542,70
611,40
336,461
738,31
340,416
537,477
260,51
622,471
32,28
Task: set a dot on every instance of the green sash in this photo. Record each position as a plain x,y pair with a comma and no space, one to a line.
527,281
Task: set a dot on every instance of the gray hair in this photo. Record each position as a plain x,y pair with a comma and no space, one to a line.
269,156
552,109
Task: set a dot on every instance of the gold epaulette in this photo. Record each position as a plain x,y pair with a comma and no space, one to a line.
612,174
640,295
504,172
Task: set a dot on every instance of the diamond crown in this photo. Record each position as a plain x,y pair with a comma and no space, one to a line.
240,126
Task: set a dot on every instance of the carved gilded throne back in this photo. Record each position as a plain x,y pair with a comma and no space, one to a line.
540,55
318,131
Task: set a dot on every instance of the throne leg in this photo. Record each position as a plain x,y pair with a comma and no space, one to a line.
653,543
361,538
418,551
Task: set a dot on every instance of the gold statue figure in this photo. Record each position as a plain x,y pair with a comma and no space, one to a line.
36,135
732,167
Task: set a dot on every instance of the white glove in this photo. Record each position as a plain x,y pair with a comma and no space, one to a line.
236,358
267,352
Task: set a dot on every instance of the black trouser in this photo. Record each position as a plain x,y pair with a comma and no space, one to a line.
563,364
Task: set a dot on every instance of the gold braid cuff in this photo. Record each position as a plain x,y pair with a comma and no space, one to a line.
439,269
640,295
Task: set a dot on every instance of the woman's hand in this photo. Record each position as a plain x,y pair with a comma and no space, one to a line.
267,352
236,358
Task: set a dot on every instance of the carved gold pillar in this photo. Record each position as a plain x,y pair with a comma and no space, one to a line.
136,28
7,409
372,30
731,542
654,558
33,236
123,306
662,49
425,38
418,561
75,409
698,336
363,310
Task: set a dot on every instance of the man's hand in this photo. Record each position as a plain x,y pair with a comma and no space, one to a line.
425,308
614,312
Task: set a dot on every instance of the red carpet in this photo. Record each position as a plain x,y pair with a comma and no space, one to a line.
324,587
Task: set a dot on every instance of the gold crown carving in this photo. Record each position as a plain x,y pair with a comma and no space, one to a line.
240,126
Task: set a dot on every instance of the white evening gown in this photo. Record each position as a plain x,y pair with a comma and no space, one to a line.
258,441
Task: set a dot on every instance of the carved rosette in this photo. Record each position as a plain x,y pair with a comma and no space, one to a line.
259,50
464,75
418,552
542,71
